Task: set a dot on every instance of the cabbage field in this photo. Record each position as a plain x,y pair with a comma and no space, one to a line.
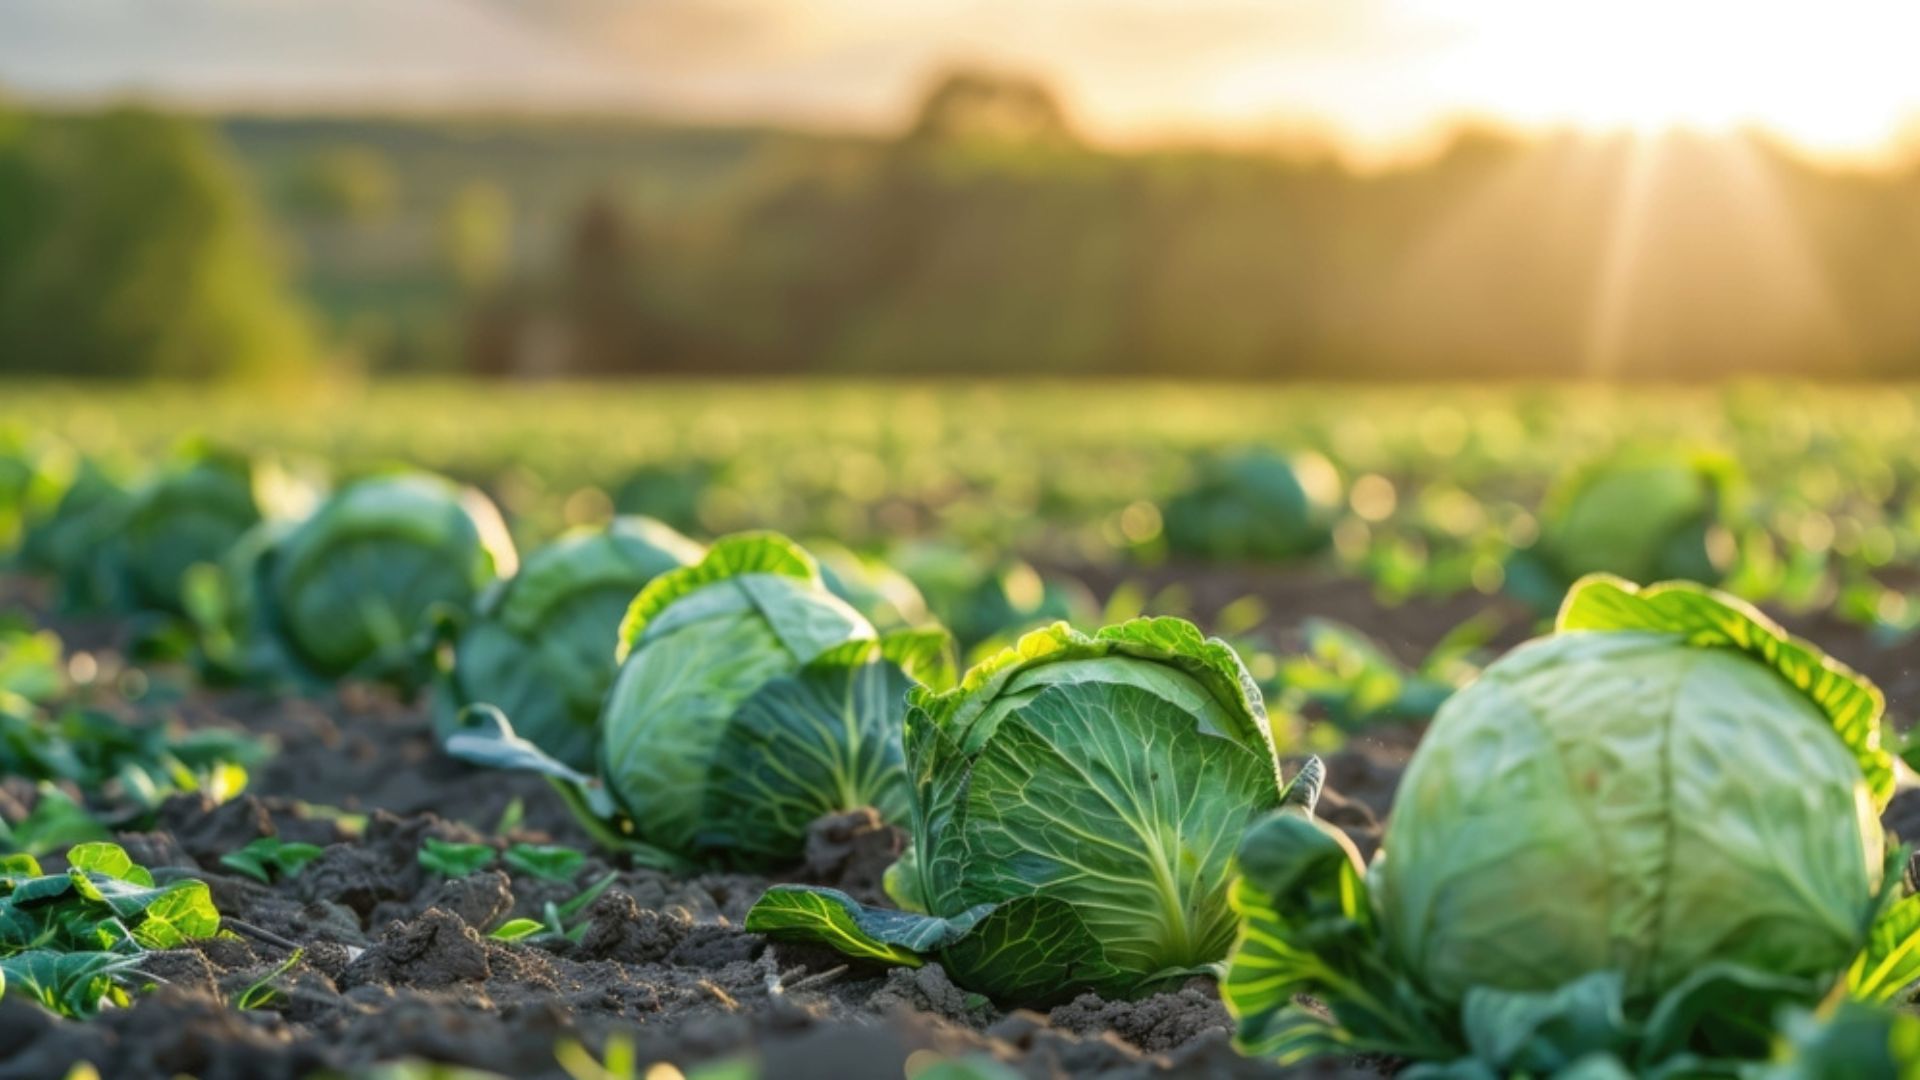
958,730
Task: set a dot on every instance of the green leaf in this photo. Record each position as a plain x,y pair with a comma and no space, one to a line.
1544,1033
927,655
1307,928
1210,661
1723,1010
729,558
262,992
820,916
820,741
74,984
585,899
454,860
101,857
1707,618
515,929
550,862
269,859
1039,951
182,912
1107,796
56,821
1889,966
1847,1041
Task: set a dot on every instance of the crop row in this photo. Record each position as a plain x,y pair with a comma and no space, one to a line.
1646,844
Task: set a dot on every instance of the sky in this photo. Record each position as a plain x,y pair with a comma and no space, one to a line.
1835,77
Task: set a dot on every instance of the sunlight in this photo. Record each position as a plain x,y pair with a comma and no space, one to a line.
1832,77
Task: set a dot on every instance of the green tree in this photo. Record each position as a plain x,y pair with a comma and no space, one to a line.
130,245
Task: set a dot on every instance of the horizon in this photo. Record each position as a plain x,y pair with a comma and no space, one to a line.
1375,82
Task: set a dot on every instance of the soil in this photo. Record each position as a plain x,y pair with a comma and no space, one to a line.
396,964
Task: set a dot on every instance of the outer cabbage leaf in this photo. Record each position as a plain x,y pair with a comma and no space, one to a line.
1090,791
818,741
1709,619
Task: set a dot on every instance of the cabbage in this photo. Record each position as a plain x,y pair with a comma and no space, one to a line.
355,588
749,702
1640,515
1640,838
1076,804
1250,505
541,645
76,541
191,512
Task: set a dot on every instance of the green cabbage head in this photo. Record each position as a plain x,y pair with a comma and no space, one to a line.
1659,786
353,589
541,644
1641,515
1254,504
191,512
1077,801
749,702
1637,840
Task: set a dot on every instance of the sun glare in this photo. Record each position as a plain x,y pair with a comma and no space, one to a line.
1834,77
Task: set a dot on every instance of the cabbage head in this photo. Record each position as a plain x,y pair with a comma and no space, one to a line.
76,542
191,512
749,702
1641,837
354,589
1688,799
1256,504
1076,804
540,647
1641,515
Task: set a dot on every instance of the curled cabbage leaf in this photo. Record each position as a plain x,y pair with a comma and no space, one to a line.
1076,803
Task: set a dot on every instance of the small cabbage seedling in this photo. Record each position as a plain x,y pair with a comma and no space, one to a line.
750,701
1639,838
74,940
269,859
540,647
450,859
548,862
353,591
1077,801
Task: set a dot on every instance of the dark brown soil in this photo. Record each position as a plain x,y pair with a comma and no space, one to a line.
396,963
